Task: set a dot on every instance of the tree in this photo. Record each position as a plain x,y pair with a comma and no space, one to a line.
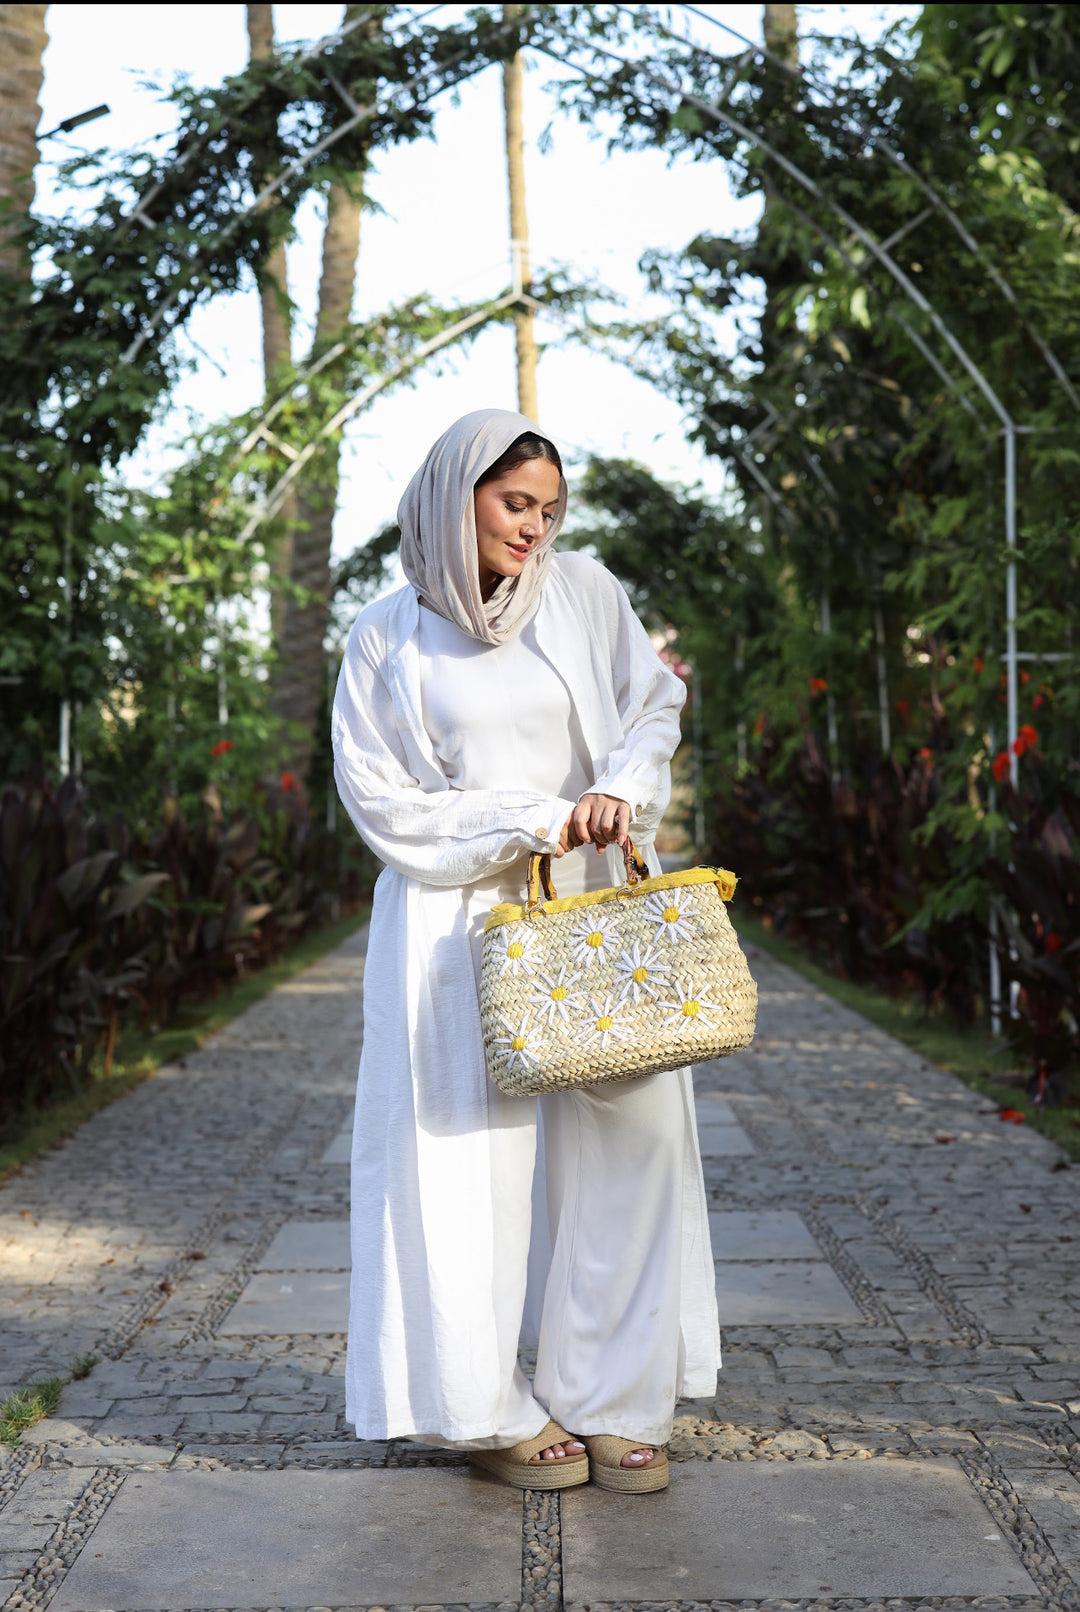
22,45
300,670
524,333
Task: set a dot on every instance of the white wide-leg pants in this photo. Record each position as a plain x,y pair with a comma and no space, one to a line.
603,1260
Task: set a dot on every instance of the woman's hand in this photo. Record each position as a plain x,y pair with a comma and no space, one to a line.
598,820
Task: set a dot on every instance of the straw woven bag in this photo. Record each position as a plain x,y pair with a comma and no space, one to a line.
615,983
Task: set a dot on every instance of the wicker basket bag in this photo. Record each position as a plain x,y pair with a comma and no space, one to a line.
612,984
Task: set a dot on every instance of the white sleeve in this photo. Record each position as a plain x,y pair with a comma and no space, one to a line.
649,698
444,837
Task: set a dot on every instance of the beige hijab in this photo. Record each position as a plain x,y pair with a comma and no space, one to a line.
438,530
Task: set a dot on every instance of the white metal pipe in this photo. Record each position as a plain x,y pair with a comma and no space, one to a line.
1011,674
65,737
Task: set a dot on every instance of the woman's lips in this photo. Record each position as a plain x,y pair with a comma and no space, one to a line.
521,550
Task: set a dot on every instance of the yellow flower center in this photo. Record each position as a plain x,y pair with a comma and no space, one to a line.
559,994
690,1009
518,1043
515,949
671,915
604,1023
595,939
639,976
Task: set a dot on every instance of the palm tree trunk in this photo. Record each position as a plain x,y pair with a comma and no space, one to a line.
276,337
524,331
782,33
300,674
22,44
274,278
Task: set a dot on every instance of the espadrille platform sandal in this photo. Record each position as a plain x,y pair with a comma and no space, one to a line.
517,1467
606,1452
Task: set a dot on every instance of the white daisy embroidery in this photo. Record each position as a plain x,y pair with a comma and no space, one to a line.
514,951
590,939
523,1042
691,1006
639,971
668,910
602,1024
554,995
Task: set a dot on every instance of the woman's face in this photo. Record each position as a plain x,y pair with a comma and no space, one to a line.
513,514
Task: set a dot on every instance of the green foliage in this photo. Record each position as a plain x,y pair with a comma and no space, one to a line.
97,922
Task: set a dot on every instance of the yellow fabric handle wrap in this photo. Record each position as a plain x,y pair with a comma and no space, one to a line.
509,912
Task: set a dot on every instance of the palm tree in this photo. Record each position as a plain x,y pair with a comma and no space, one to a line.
22,45
300,670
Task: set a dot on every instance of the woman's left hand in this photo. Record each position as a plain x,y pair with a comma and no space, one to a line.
599,820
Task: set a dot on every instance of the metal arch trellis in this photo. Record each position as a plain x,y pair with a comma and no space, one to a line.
936,200
719,112
879,251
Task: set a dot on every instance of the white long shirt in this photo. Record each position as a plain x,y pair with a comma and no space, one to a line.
452,797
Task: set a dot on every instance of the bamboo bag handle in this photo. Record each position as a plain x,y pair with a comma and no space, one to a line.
540,874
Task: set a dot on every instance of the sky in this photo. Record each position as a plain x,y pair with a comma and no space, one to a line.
441,227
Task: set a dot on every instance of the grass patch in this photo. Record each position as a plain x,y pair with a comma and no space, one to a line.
26,1406
139,1052
971,1053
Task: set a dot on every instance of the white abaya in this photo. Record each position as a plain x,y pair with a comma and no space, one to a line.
456,759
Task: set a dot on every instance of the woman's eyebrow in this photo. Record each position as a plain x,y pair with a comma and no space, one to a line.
529,498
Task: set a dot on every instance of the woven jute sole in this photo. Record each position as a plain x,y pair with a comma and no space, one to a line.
564,1474
628,1479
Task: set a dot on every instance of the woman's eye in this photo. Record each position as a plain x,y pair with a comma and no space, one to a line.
515,509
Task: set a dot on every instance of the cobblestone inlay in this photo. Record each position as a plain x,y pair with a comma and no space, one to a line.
541,1552
13,1465
44,1579
1019,1527
965,1325
846,1267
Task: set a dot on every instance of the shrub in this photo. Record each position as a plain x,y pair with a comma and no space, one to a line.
95,923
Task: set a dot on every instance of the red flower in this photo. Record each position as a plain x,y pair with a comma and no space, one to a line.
1025,677
1026,739
1012,1116
1053,943
288,781
978,665
1000,766
221,747
926,753
1038,701
902,706
817,685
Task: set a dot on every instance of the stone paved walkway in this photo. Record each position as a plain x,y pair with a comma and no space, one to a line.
898,1419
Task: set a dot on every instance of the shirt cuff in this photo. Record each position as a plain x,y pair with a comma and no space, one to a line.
623,786
551,814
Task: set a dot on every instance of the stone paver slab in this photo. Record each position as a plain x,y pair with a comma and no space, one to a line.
340,1149
289,1304
183,1539
309,1245
771,1529
761,1234
713,1109
724,1142
782,1293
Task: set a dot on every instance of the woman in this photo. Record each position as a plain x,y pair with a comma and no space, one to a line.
506,701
